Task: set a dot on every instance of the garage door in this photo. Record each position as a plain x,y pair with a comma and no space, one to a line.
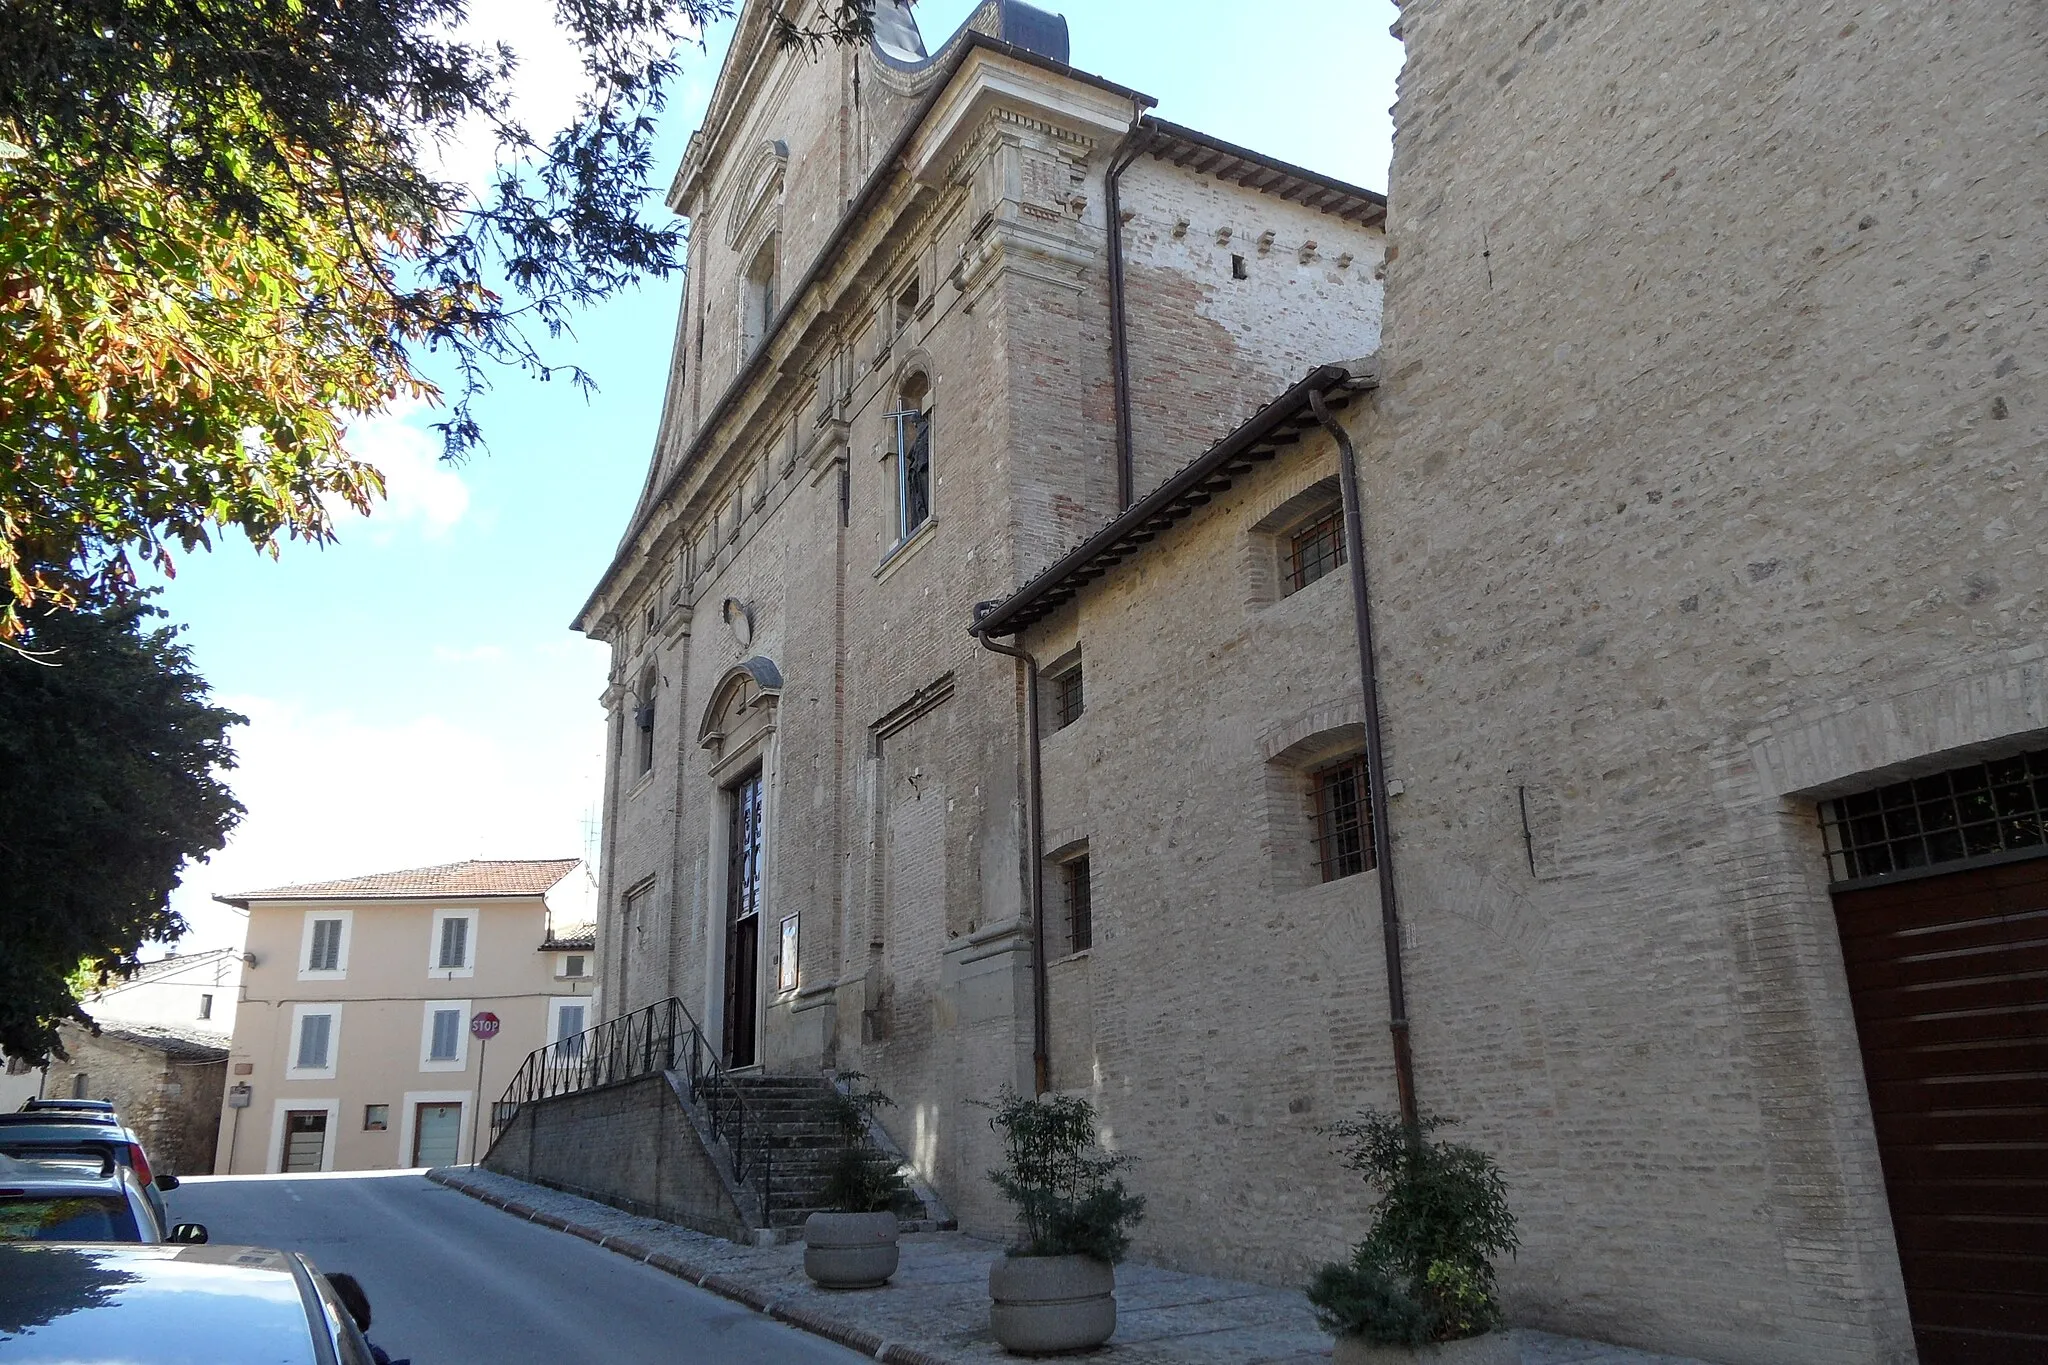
1949,975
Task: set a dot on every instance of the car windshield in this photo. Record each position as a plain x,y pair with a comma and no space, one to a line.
26,1216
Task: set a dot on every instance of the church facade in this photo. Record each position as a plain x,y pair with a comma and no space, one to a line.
987,697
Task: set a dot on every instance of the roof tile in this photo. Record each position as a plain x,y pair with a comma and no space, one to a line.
473,877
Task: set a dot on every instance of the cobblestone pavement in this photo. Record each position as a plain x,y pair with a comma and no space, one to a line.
935,1311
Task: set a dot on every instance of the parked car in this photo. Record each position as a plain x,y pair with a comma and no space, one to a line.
79,1197
45,1134
105,1107
170,1305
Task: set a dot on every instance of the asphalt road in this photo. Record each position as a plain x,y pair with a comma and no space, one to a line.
456,1282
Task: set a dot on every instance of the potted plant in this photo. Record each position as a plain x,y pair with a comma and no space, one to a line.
1056,1289
1420,1287
855,1247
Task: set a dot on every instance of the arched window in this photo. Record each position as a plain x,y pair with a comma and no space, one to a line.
911,438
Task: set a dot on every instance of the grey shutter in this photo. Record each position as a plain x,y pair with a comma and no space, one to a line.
315,1031
326,954
454,942
447,1033
568,1022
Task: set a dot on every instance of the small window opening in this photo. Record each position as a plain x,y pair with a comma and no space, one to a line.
205,1006
1985,810
913,458
1074,884
1315,550
575,965
1068,698
762,298
1237,268
643,719
376,1118
906,303
1342,804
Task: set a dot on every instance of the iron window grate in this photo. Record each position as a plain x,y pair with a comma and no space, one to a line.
1080,926
1343,818
1316,549
1973,812
1068,700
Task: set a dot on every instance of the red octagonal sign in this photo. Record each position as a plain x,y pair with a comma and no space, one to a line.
484,1024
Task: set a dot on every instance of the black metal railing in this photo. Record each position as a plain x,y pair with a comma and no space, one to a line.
660,1038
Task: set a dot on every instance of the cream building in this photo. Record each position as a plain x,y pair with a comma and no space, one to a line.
352,1043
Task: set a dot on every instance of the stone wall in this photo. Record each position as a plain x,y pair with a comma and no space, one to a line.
172,1103
631,1145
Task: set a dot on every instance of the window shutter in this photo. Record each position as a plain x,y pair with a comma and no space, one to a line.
447,1034
326,954
315,1031
455,942
568,1022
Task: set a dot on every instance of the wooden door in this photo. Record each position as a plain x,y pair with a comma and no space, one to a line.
305,1139
1949,977
743,922
436,1134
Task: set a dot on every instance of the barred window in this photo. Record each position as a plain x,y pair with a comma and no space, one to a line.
1343,819
1068,699
1316,549
1080,924
1973,812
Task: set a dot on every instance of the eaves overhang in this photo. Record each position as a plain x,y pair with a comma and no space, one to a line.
1205,155
1273,428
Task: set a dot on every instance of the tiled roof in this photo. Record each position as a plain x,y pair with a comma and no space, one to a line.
164,966
475,877
571,936
190,1043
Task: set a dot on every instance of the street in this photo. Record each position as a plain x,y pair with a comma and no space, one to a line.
453,1281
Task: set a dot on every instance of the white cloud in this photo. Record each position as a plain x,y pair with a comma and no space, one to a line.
420,490
333,794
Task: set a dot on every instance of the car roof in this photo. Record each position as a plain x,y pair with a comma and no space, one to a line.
102,1117
161,1304
105,1106
60,1131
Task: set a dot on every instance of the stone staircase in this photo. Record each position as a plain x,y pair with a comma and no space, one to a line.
803,1139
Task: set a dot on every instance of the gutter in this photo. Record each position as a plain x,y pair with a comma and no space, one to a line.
1375,761
1130,149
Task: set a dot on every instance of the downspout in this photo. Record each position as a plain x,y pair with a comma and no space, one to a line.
1034,851
1375,764
1129,150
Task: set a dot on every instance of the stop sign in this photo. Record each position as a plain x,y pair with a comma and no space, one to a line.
484,1024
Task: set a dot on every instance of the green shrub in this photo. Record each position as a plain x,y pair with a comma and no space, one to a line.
1068,1198
1424,1272
864,1178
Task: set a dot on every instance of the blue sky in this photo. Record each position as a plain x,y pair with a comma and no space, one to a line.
414,693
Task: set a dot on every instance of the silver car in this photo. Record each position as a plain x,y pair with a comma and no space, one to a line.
169,1305
80,1197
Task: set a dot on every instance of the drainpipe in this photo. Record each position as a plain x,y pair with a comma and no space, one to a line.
1375,764
1034,840
1129,150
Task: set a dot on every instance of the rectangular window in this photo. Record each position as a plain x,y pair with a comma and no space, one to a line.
576,965
376,1117
785,963
1981,811
569,1017
454,944
205,1006
316,1035
1343,819
325,955
1067,698
447,1032
1316,549
643,720
1080,925
906,303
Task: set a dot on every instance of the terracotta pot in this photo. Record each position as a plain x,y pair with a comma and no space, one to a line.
1491,1348
1042,1305
850,1250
